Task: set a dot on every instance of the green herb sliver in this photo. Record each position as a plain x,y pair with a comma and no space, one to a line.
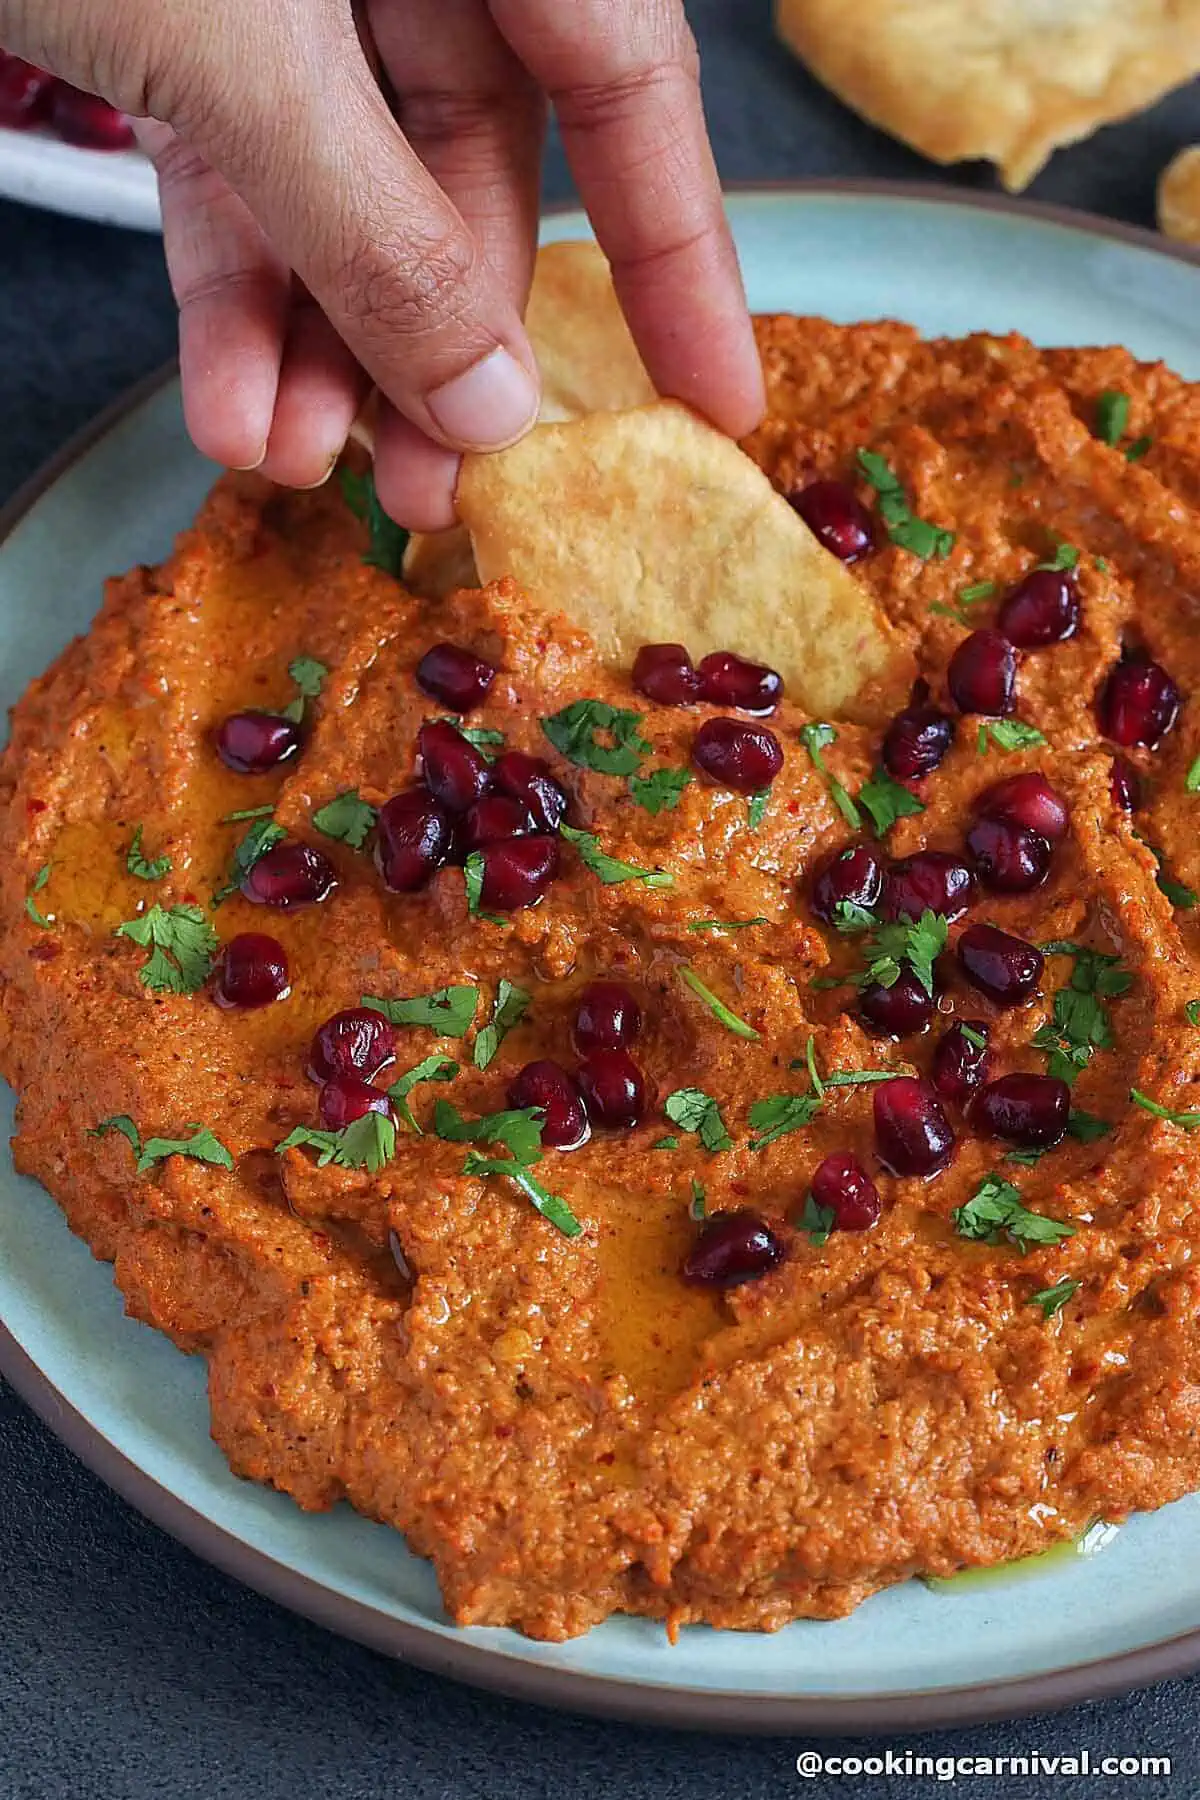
1053,1299
1007,734
695,1111
181,943
201,1146
727,924
1112,417
904,943
448,1011
551,1206
817,1221
432,1068
698,1204
511,1005
574,734
660,791
39,881
815,738
717,1006
262,836
996,1211
780,1114
886,801
517,1129
610,869
756,808
388,540
347,819
1187,1120
367,1143
903,526
1081,1024
145,868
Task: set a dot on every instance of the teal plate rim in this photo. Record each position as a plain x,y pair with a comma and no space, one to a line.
709,1710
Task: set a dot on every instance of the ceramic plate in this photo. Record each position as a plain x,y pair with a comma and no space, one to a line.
134,1408
115,187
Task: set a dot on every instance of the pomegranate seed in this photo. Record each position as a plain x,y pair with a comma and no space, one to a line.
917,741
897,1011
457,677
289,875
614,1089
732,1247
1008,858
664,673
88,121
983,675
1042,609
837,518
25,93
930,881
517,872
1029,1110
729,680
1027,800
1138,703
252,971
960,1065
546,1084
743,757
355,1042
413,840
912,1135
345,1098
251,743
494,819
1005,968
852,877
455,773
608,1017
842,1186
1125,785
528,779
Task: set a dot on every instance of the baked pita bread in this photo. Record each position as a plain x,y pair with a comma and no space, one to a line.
1179,196
1005,80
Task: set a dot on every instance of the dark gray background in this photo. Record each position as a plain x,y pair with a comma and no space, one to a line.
129,1670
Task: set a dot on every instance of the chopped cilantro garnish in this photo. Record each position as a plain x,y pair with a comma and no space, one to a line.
484,737
433,1068
611,869
903,526
202,1146
1191,780
968,597
810,1063
346,818
308,674
694,1110
388,540
815,738
973,1037
249,812
1192,1012
698,1204
917,945
780,1114
1065,557
1112,417
1086,1126
817,1221
518,1129
1138,449
1008,734
1188,1120
716,1006
756,807
551,1206
849,916
39,882
473,872
857,1077
1053,1299
573,732
978,590
665,1143
262,836
996,1211
661,790
368,1143
1183,897
124,1124
1081,1024
144,869
886,801
511,1005
726,924
181,943
448,1011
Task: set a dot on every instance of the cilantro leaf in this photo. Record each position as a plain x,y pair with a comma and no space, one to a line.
1112,417
124,1124
1086,1127
367,1143
249,812
1192,1012
848,916
202,1146
716,1006
181,943
433,1068
551,1206
1053,1299
39,882
694,1110
817,1221
665,1143
726,924
886,801
996,1211
698,1204
511,1005
484,737
262,836
308,674
1065,557
815,738
1189,1121
519,1129
1138,449
449,1011
779,1114
346,818
473,873
903,526
611,869
756,807
138,865
388,540
916,943
1081,1023
661,790
1183,897
1008,734
573,734
1191,780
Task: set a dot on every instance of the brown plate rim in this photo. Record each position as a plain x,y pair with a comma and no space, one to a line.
459,1658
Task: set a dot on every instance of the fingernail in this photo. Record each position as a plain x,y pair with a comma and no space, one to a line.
489,405
248,468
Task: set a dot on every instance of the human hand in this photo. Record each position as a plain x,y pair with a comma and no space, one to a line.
317,244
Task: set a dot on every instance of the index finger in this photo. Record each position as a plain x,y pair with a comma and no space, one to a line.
624,80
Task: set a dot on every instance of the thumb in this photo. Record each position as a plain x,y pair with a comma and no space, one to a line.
300,130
